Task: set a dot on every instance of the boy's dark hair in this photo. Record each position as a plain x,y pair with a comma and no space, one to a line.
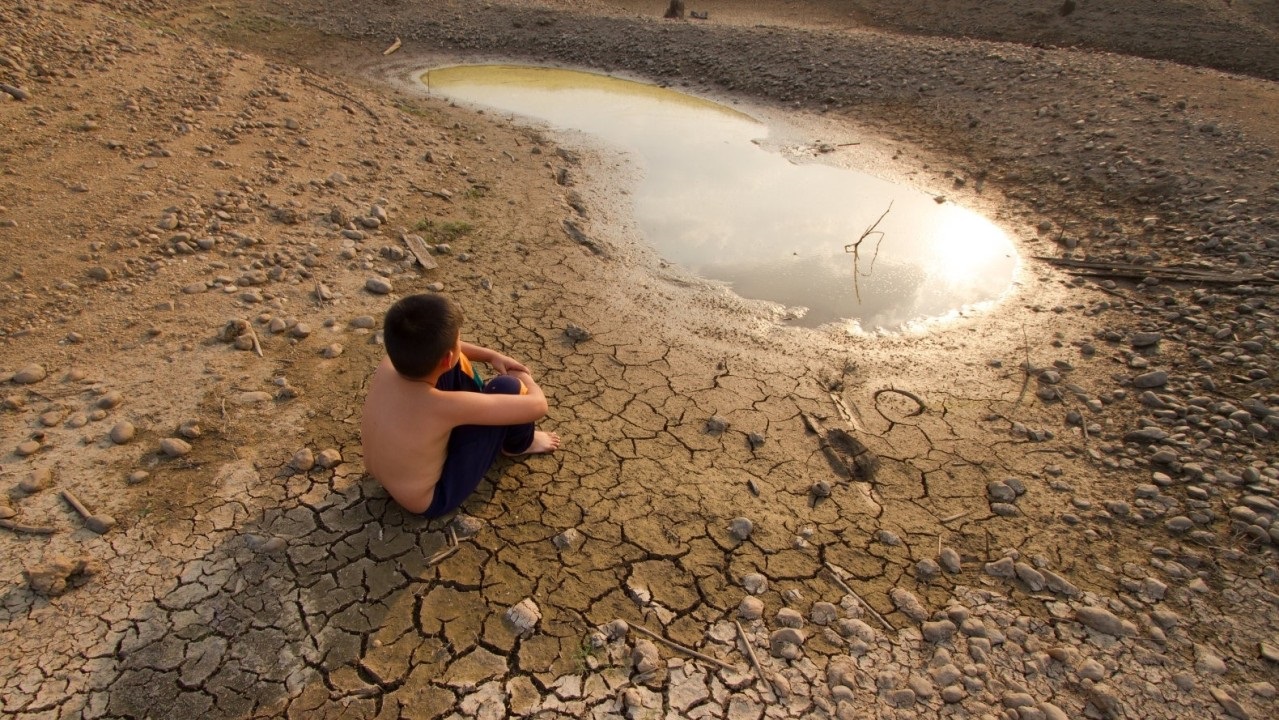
419,330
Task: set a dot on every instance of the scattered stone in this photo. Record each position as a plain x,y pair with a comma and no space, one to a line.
524,616
303,460
27,448
939,631
741,528
59,574
755,583
823,613
789,617
1229,704
331,351
786,643
328,458
137,476
645,657
1104,621
577,333
190,429
378,285
35,481
616,629
1145,339
567,539
909,605
466,526
751,608
29,374
950,560
174,447
1158,378
110,399
122,432
716,424
927,570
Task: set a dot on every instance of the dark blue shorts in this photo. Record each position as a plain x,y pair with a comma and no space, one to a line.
473,448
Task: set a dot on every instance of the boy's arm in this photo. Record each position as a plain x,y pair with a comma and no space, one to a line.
496,360
469,408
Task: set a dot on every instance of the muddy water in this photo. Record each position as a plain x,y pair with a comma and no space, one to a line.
714,201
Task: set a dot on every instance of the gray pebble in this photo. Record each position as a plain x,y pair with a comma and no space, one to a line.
741,528
378,285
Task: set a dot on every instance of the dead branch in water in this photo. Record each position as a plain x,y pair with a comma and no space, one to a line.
856,246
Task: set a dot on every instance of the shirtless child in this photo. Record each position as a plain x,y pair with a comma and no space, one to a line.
431,427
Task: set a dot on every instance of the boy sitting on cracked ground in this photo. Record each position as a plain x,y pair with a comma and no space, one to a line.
431,427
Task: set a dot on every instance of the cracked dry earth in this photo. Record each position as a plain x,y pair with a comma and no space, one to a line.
1051,533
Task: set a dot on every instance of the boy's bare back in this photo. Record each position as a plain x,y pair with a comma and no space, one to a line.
405,433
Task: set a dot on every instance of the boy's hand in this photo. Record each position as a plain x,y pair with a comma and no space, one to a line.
504,364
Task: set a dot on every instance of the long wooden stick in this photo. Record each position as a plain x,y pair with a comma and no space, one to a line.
335,93
840,581
750,651
32,529
686,650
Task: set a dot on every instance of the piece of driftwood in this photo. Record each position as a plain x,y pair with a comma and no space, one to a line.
686,650
394,46
417,246
1103,268
848,589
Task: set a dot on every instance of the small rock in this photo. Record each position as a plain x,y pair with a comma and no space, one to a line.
751,608
789,617
465,525
29,374
950,560
939,631
331,351
174,447
786,643
303,460
1102,620
577,333
755,583
59,574
567,539
190,429
35,481
741,528
1158,378
645,657
110,399
378,285
716,424
823,613
328,458
27,448
524,616
122,432
136,477
909,605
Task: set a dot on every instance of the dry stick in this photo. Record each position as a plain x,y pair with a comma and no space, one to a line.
32,529
840,581
344,96
451,540
956,516
257,346
904,393
857,245
750,653
441,555
1025,382
394,46
686,650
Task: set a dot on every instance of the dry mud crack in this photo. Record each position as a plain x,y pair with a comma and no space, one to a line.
1074,515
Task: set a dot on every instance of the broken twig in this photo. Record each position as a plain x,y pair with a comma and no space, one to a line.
904,393
686,650
344,96
394,46
441,556
856,246
31,529
848,589
956,516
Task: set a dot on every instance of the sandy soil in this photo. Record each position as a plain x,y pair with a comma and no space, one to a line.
202,213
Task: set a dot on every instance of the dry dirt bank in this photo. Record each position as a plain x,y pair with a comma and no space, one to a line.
1084,534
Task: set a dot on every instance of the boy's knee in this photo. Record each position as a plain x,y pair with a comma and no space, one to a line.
504,385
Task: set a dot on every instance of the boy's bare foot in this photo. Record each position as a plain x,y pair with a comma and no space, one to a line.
543,442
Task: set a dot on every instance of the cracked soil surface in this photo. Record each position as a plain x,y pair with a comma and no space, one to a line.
1070,510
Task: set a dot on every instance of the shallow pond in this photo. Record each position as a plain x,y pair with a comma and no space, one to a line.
717,203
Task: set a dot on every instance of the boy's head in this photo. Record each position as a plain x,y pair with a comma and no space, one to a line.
419,331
